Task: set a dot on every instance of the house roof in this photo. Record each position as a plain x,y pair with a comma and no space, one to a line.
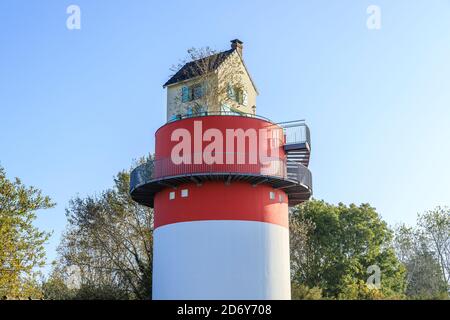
192,69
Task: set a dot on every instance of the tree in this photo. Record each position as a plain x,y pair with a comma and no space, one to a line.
417,250
336,248
301,251
424,277
109,239
55,286
435,225
22,245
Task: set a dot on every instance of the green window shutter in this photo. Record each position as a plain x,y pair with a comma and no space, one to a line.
231,93
238,94
244,98
185,94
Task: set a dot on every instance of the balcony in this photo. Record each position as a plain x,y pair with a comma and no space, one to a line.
298,141
149,178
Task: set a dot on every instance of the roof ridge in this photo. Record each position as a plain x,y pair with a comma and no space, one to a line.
184,73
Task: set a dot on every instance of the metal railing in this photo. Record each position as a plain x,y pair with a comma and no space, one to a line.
273,167
298,172
165,168
142,174
296,132
217,113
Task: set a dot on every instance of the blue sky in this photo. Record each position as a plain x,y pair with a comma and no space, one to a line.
77,106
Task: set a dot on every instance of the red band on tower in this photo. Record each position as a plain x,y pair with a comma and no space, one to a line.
218,201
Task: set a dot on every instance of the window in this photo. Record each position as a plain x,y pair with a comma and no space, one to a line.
172,195
191,93
272,195
184,193
197,91
280,198
189,111
238,94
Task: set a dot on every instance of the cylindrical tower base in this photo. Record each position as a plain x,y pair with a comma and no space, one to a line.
221,241
221,260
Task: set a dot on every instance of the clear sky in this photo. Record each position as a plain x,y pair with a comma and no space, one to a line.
77,106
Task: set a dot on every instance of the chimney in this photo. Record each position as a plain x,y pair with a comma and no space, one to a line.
237,44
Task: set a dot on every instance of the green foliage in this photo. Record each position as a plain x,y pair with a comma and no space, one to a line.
301,292
55,287
22,244
357,289
340,243
58,287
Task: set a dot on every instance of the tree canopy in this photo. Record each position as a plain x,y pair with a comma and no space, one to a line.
332,248
22,244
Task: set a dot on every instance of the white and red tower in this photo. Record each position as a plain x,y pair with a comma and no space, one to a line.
221,185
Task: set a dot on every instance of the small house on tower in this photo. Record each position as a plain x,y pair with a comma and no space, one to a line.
212,83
